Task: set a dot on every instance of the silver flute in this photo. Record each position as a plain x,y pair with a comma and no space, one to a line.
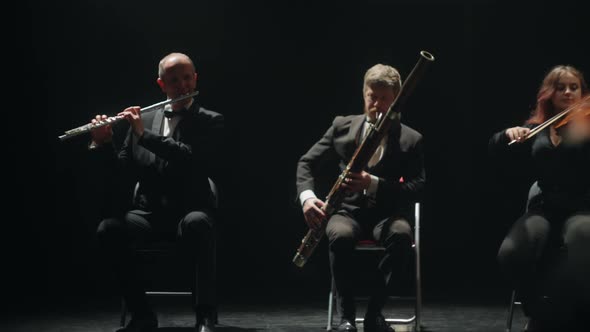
113,119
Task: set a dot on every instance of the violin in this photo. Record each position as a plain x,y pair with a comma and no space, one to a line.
576,112
579,113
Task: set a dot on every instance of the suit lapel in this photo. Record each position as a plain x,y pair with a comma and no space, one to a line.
157,123
186,122
393,141
354,134
156,128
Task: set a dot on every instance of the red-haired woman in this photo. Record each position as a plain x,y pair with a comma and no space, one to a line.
558,216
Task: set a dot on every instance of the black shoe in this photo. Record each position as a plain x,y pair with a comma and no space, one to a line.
206,325
376,323
537,325
346,325
147,323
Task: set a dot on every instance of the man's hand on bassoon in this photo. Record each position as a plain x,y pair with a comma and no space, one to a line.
313,213
355,182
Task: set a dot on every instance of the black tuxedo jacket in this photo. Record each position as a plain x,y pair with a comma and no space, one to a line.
172,172
403,158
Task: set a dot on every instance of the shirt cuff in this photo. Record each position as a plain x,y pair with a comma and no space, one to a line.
372,190
93,145
305,195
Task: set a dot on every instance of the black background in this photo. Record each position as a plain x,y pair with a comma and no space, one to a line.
279,72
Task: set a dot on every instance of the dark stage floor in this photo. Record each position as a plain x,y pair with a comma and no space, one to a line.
258,315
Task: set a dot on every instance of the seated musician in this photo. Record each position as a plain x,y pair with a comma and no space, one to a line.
169,154
560,215
376,203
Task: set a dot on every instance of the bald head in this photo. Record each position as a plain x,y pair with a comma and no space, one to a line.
171,60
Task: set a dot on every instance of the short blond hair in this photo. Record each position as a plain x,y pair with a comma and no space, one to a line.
383,75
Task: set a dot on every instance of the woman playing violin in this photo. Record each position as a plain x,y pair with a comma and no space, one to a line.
558,216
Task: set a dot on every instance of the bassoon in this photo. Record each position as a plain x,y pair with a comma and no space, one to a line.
361,157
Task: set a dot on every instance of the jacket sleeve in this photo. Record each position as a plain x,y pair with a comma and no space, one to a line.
312,165
174,151
498,147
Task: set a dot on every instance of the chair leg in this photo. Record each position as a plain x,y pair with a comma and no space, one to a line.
123,312
510,312
418,280
418,304
331,306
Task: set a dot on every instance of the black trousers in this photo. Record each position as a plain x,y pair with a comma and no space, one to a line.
343,231
119,237
527,249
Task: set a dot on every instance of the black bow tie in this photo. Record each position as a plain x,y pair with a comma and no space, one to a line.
169,113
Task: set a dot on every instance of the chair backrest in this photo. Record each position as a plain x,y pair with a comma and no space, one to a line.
215,192
534,191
